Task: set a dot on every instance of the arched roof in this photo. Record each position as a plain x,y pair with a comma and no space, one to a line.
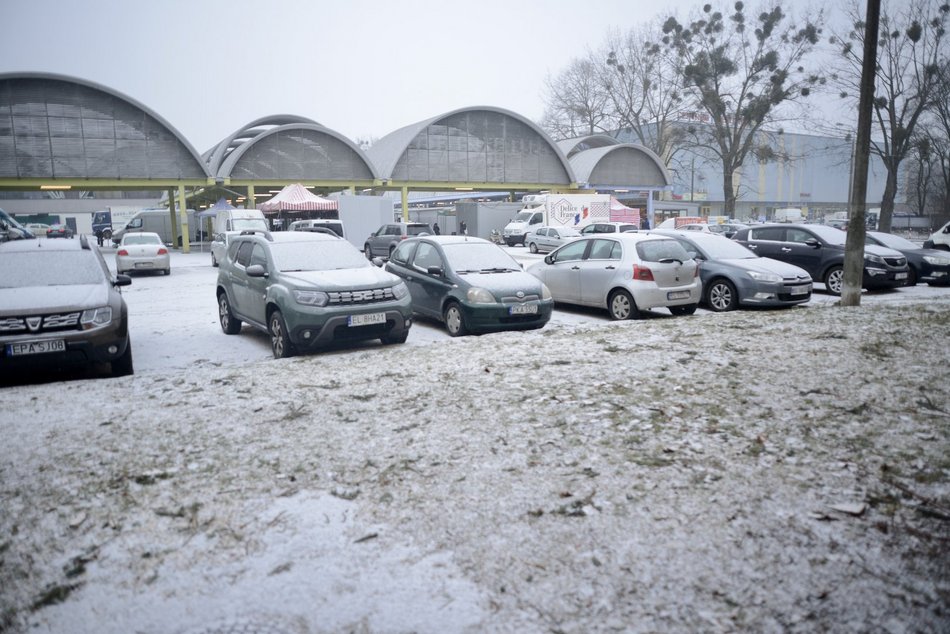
299,152
622,165
570,147
216,155
481,144
58,127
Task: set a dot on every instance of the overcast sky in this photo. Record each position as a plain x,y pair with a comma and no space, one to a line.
361,67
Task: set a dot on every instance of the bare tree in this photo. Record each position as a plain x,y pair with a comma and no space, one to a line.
938,135
910,47
576,103
740,71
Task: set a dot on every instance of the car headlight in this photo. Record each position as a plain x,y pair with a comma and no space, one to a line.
545,291
95,317
874,258
478,295
400,290
765,277
936,260
311,298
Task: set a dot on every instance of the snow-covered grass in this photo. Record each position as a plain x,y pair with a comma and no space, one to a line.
753,471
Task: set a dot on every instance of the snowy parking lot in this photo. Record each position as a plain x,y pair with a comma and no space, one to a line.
748,471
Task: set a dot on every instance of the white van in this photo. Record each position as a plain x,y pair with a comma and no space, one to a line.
231,222
788,214
940,239
324,225
159,221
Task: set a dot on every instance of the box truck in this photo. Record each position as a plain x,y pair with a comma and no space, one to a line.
557,210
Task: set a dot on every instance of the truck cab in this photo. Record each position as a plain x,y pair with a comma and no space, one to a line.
526,221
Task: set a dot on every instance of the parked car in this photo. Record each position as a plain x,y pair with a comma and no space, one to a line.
10,229
470,284
60,307
608,227
925,265
939,239
231,222
545,239
321,225
734,276
626,273
307,290
727,229
38,229
696,226
143,251
819,249
387,238
59,231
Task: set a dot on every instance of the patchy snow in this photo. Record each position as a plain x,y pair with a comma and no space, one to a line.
756,470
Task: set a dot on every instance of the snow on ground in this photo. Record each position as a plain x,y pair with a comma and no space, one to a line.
757,470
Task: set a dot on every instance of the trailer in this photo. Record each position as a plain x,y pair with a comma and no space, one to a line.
557,210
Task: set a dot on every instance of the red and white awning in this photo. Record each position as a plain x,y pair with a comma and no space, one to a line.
296,197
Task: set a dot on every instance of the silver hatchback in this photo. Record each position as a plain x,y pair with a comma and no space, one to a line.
626,273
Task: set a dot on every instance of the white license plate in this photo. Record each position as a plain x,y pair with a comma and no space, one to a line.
900,276
366,320
678,295
799,290
144,265
35,347
523,309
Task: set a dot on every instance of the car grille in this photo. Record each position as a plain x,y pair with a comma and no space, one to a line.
43,323
370,296
896,261
520,300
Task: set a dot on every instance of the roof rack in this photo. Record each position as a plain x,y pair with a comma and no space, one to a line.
263,232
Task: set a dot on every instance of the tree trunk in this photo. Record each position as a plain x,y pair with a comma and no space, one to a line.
887,202
729,194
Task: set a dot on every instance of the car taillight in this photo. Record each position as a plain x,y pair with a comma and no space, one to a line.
162,250
642,273
122,252
403,237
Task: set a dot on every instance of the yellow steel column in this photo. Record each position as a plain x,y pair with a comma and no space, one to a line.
172,217
249,202
183,210
405,204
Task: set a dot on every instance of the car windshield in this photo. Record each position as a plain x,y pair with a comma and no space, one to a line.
49,268
523,216
726,249
244,224
829,234
317,256
141,239
417,230
892,241
478,257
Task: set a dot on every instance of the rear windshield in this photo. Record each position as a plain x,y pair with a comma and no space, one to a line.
243,224
657,250
50,268
141,239
317,256
418,230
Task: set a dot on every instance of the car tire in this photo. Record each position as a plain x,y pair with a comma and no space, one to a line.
123,365
533,247
620,306
681,311
834,280
230,324
368,250
389,340
392,248
214,261
279,337
911,276
167,271
721,296
454,320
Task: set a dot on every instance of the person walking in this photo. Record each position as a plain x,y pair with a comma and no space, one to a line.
463,228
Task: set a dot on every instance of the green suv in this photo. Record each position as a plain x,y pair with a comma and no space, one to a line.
308,290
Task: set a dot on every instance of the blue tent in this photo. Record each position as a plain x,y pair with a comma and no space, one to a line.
213,210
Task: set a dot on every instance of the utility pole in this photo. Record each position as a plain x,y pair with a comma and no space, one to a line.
857,230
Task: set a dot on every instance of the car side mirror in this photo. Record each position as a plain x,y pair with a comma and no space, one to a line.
946,229
378,261
814,244
549,259
122,280
256,270
435,270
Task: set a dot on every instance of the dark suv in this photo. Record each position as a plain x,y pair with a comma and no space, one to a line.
387,238
307,290
60,307
819,250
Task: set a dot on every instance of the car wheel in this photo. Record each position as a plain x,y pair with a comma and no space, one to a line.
389,340
911,276
721,296
229,323
621,306
279,337
391,249
533,247
454,321
834,280
214,260
679,311
368,251
168,271
123,365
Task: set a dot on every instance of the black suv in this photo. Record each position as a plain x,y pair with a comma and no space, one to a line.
820,250
60,307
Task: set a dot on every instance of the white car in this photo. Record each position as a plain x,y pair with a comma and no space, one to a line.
626,273
544,239
940,239
142,251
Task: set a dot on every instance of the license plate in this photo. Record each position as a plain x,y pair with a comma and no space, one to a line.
143,265
523,309
366,320
900,276
678,295
35,347
799,290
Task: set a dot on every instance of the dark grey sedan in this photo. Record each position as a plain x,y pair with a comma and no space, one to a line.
732,275
926,265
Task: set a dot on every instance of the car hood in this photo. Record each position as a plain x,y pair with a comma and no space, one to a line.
768,265
884,252
504,284
342,279
52,299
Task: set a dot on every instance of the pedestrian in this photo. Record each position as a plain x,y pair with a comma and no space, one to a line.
463,228
435,228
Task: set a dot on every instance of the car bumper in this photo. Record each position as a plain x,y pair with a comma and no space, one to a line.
317,330
651,296
103,348
876,277
775,294
159,263
499,317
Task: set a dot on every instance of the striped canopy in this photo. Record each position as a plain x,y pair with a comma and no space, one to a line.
296,198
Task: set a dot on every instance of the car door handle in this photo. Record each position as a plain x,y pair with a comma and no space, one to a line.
786,249
610,268
751,246
575,268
